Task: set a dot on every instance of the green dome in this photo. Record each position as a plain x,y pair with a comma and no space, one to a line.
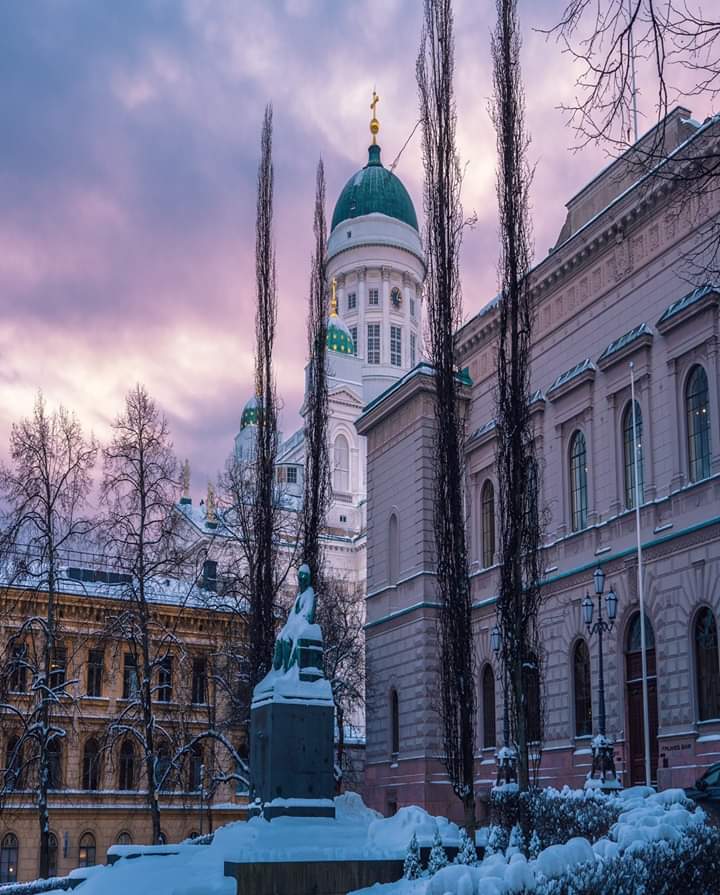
339,337
374,189
250,413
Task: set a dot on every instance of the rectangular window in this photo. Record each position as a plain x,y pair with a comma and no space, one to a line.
58,667
412,306
165,680
130,677
209,575
18,674
292,475
374,297
396,346
353,333
413,340
373,343
199,680
352,301
95,672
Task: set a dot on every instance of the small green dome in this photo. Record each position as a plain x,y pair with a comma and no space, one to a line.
339,337
250,413
374,189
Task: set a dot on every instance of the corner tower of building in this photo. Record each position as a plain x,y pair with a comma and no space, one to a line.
375,255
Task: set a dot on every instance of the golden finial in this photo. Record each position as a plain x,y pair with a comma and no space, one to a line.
210,509
186,478
333,298
374,123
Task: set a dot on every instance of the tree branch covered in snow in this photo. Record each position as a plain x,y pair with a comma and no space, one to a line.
44,492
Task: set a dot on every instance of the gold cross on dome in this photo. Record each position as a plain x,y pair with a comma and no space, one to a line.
333,298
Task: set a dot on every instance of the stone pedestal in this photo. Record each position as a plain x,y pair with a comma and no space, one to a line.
291,757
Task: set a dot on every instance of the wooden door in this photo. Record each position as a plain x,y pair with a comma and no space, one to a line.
635,728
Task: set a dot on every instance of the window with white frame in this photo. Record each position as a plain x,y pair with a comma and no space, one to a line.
373,343
374,297
353,333
351,301
341,472
395,346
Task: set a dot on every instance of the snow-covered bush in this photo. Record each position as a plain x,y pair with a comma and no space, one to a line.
497,840
556,816
438,856
535,846
411,867
516,845
467,853
689,864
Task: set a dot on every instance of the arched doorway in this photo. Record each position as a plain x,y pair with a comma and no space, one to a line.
633,681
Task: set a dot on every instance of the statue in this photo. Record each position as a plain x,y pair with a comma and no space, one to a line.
292,720
186,479
297,627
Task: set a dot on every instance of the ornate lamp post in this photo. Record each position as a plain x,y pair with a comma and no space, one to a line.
506,755
602,774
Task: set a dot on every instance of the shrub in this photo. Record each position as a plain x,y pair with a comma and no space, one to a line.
555,816
411,867
438,856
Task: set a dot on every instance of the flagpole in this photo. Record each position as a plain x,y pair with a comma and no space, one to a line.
641,593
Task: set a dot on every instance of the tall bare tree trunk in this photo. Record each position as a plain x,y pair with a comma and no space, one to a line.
262,588
444,226
317,466
519,595
43,494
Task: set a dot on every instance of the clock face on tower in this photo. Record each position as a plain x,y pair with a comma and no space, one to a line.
396,297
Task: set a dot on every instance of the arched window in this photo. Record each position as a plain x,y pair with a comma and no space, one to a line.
341,471
488,702
127,766
393,550
629,446
487,499
91,766
582,689
578,482
52,855
697,406
54,762
124,838
195,775
707,665
13,764
9,858
86,851
531,688
394,723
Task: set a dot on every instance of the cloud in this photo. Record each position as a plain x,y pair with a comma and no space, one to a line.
127,186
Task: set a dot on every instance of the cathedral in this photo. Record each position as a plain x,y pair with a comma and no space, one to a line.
375,272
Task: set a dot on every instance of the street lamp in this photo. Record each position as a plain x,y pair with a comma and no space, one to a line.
603,762
506,755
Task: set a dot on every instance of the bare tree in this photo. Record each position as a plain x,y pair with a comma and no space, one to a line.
341,617
443,235
262,568
676,48
44,493
317,464
519,591
139,489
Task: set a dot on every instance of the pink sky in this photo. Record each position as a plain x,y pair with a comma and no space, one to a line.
127,179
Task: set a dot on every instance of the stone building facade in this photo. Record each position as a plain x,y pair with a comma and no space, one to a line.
614,290
99,798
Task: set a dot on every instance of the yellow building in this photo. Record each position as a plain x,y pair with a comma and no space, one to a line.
99,784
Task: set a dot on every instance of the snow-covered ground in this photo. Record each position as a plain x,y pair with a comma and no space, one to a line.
358,833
